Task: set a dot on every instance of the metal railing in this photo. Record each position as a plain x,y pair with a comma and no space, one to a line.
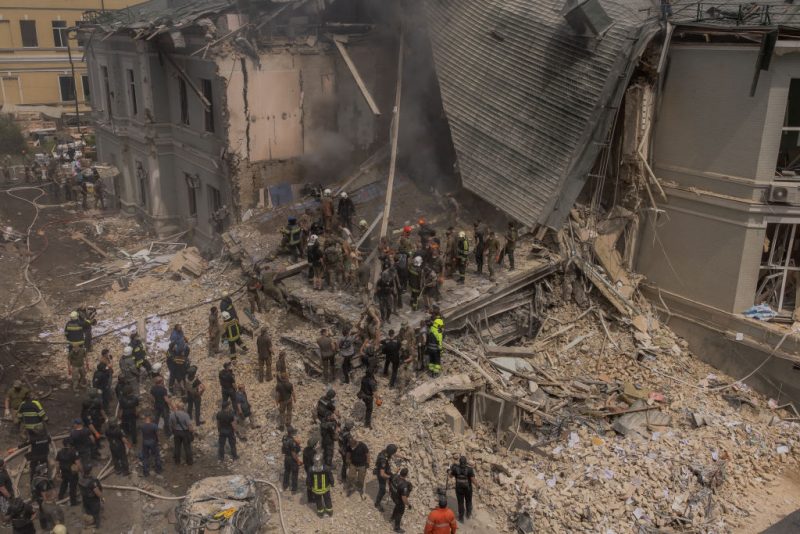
733,13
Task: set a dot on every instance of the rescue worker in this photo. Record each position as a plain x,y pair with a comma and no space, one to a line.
214,332
272,288
344,437
101,381
50,514
194,394
425,231
321,484
128,409
492,252
290,447
401,489
226,431
74,330
264,346
391,352
243,409
119,446
78,364
31,415
357,461
14,397
479,233
128,372
511,243
21,516
347,349
161,403
415,281
333,262
233,333
327,432
408,344
441,520
326,405
280,363
180,423
434,346
178,363
87,315
327,353
226,305
464,476
404,245
383,471
462,249
94,417
309,452
363,237
284,399
83,440
91,495
293,239
150,447
69,464
139,353
254,293
314,255
367,391
346,210
39,452
449,252
227,383
385,291
326,209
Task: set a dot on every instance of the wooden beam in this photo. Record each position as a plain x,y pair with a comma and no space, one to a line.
189,82
356,76
91,245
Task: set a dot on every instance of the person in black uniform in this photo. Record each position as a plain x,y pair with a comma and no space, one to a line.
69,467
226,305
101,380
226,431
391,352
91,495
401,489
290,447
82,439
227,383
161,400
465,479
367,394
327,431
309,451
118,444
128,405
21,514
344,446
94,417
383,470
40,450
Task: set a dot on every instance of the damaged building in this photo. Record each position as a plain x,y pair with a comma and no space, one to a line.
209,109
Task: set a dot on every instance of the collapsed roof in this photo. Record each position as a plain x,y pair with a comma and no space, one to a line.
727,14
530,102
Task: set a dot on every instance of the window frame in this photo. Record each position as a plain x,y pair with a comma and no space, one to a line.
61,32
208,117
87,88
22,24
193,185
61,88
183,101
130,80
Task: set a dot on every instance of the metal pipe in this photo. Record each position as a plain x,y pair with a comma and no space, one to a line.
74,81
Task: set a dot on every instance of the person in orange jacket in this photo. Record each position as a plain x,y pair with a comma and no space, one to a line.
441,520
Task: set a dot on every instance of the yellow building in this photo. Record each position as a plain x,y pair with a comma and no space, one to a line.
34,60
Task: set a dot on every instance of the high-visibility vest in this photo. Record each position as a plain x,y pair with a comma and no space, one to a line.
320,485
31,413
294,235
463,247
232,331
74,332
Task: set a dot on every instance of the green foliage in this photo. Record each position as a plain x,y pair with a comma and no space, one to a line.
11,138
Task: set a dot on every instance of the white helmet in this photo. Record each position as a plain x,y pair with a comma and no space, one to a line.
127,351
156,368
73,315
462,234
343,194
327,192
418,261
363,223
226,316
312,239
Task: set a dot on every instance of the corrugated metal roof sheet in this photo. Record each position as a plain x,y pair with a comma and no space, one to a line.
528,101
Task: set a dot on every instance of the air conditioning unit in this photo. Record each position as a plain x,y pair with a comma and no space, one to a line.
784,193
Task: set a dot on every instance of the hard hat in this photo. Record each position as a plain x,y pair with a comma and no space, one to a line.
73,315
378,401
59,529
156,367
343,194
418,261
226,315
406,229
438,323
462,234
421,221
362,222
327,192
127,351
313,239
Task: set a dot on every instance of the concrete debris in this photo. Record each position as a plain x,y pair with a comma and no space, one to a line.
233,504
459,382
188,260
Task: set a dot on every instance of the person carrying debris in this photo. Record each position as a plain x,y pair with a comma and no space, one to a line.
264,346
226,431
415,281
511,243
273,289
462,249
321,484
214,332
465,480
327,353
290,448
284,399
233,333
400,490
74,330
434,347
77,366
383,472
441,520
346,210
194,394
253,293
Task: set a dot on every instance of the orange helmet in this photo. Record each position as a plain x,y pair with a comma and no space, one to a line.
378,401
421,221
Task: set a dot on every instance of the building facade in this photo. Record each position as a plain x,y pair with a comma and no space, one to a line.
201,135
726,153
34,56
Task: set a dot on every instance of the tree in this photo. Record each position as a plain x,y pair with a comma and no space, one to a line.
11,138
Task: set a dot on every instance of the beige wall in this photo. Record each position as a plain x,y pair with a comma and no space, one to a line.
32,74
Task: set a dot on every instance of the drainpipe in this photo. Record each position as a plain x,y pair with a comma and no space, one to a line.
74,81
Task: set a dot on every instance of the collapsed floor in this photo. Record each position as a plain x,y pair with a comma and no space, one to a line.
588,423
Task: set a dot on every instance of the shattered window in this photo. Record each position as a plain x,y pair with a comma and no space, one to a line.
789,155
779,273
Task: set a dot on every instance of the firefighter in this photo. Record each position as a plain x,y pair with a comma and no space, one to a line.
321,484
434,346
233,333
32,415
139,354
293,238
346,210
87,315
462,249
74,331
415,281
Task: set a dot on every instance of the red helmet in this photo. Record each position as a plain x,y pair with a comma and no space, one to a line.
406,229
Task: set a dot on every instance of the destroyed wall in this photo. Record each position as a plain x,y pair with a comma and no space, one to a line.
172,174
297,116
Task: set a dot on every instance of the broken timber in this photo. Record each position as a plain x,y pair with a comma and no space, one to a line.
356,76
494,302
